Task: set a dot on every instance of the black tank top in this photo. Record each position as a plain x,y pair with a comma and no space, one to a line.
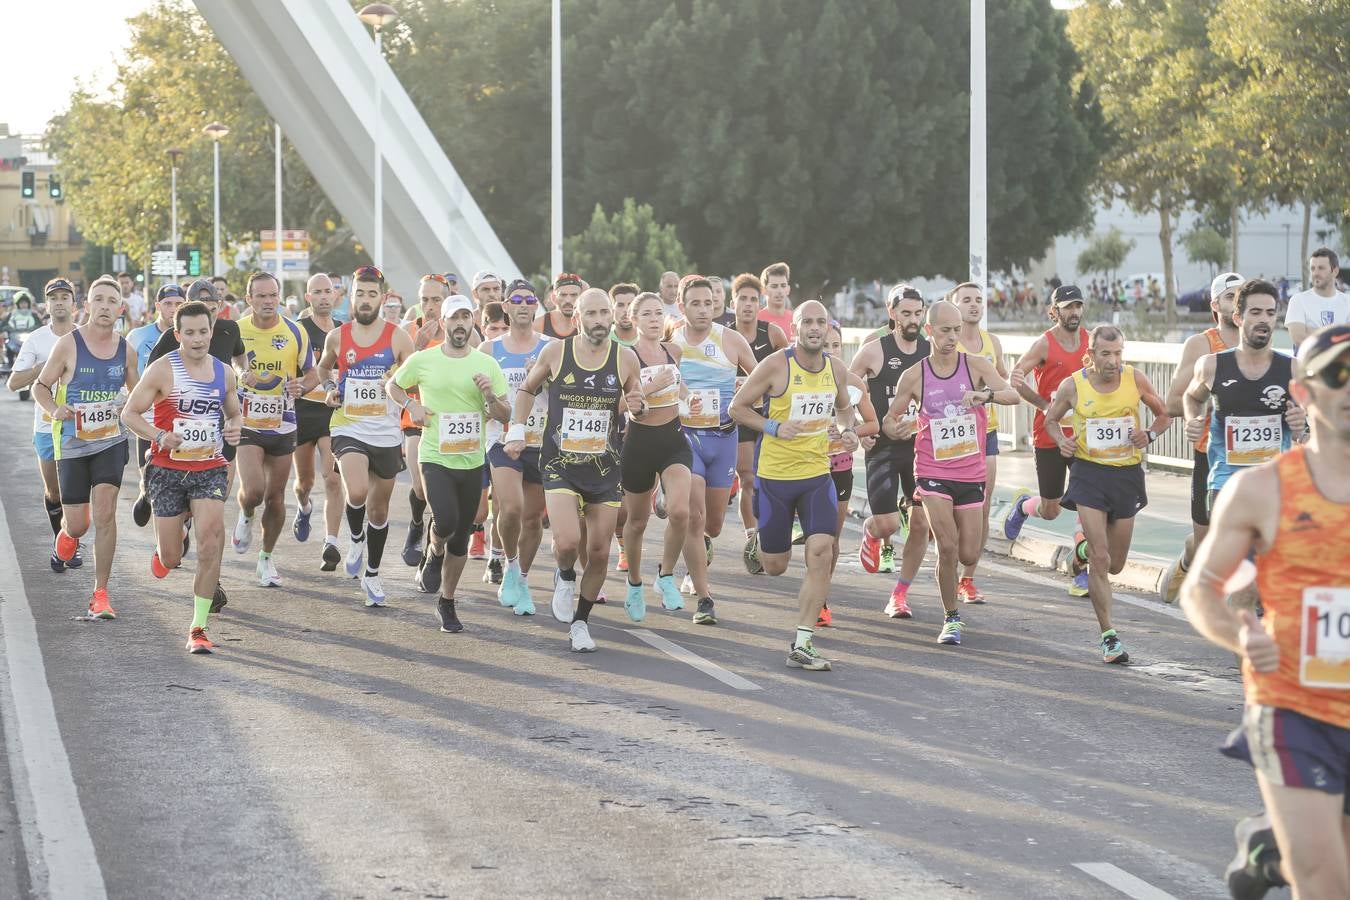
761,346
881,387
1237,395
591,392
317,336
553,332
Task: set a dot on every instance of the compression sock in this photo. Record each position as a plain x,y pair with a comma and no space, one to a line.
583,612
53,515
201,607
376,535
356,521
418,505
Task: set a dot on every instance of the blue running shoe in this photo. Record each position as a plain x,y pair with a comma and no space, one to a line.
1012,525
1113,651
1079,586
58,564
301,527
951,630
356,554
635,603
671,598
77,560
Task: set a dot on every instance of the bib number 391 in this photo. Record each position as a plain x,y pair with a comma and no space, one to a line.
1110,438
1324,656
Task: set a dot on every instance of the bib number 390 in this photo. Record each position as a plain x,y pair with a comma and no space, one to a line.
200,439
1324,656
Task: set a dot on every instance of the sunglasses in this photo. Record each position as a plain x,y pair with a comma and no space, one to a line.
1335,375
567,278
367,273
527,299
439,279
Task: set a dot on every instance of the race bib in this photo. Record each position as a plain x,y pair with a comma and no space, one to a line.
363,398
814,411
97,421
709,413
1324,660
262,412
667,396
318,394
461,432
535,424
955,437
1109,439
1251,440
46,417
584,430
201,439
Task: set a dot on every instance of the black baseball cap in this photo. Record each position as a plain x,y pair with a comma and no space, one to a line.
1065,294
202,286
172,289
518,285
58,284
1321,348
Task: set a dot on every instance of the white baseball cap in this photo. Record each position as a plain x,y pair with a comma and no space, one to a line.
1223,283
454,304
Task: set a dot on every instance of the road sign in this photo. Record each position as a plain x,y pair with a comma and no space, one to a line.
297,265
119,262
271,246
268,234
163,264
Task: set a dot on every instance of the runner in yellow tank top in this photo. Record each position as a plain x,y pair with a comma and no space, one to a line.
807,391
1294,514
979,342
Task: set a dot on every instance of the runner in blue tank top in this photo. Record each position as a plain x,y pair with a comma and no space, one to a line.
81,389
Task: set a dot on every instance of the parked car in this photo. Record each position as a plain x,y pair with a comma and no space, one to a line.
1196,301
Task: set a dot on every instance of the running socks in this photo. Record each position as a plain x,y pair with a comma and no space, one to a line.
803,637
356,521
1031,506
376,535
53,515
418,505
1080,552
201,606
583,612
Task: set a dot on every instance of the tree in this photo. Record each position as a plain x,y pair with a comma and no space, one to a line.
628,246
1105,253
1205,245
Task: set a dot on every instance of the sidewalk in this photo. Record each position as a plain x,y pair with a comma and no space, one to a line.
1159,530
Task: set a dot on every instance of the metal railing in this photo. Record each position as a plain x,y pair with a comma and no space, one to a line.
1157,361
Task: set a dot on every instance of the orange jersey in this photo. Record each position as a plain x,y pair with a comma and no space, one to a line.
1305,587
404,420
1216,345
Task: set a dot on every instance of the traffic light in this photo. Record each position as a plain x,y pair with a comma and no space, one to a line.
54,187
194,262
29,189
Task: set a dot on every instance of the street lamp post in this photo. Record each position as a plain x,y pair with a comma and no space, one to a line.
556,235
979,196
378,16
174,153
216,131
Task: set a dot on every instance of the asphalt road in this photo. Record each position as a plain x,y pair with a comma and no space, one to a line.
329,750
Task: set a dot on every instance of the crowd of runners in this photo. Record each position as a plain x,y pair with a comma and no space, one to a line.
584,412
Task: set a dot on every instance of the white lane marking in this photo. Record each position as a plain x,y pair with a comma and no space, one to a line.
61,859
672,649
1123,881
1046,581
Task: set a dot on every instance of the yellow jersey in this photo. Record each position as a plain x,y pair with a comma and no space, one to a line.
1103,423
987,351
275,355
809,399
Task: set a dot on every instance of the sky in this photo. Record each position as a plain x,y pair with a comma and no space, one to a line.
53,44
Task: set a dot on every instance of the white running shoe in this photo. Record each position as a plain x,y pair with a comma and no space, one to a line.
581,638
374,589
687,586
243,535
267,572
356,554
564,598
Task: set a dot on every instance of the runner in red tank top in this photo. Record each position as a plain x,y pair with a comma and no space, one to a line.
1057,354
1223,336
1294,513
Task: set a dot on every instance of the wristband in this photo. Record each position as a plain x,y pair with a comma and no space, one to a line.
515,433
771,427
159,438
330,385
1152,436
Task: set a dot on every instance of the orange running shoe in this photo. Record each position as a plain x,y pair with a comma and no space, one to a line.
99,607
824,620
478,546
967,592
198,642
622,564
65,546
869,552
157,568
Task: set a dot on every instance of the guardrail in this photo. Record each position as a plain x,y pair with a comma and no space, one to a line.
1157,361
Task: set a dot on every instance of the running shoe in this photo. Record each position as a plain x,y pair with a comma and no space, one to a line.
356,556
374,589
564,598
65,547
478,545
967,592
659,503
708,548
1079,586
242,538
1255,868
100,607
1171,581
705,614
331,557
506,594
735,489
157,568
887,564
524,602
429,574
750,555
798,535
951,630
187,542
77,559
869,552
898,606
687,586
622,564
412,544
492,572
198,642
825,619
1113,651
902,533
450,623
580,634
267,572
301,528
600,598
670,598
140,511
635,603
218,599
58,565
1013,522
806,657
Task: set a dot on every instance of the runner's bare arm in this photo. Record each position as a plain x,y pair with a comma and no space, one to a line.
870,424
629,367
324,370
131,374
777,339
154,385
999,363
1065,398
1195,399
233,410
1032,359
738,349
1150,398
1244,519
867,361
540,374
843,409
990,378
54,372
1192,350
401,344
769,377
